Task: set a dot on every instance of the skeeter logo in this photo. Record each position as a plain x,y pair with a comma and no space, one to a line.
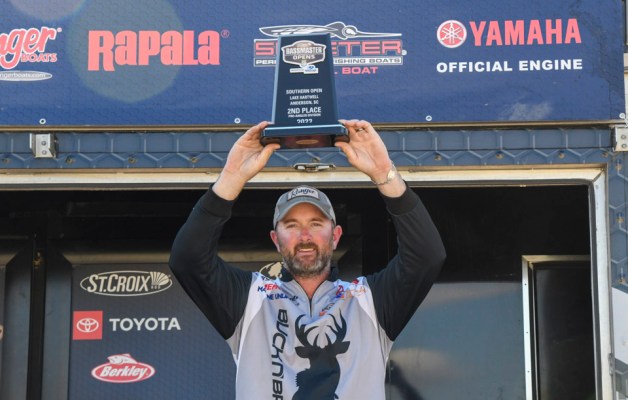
336,29
26,45
356,51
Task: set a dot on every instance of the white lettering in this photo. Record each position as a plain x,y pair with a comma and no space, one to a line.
150,324
124,371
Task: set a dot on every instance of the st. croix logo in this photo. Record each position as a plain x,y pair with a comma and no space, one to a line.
126,283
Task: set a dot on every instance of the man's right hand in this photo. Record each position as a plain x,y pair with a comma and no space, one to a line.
246,158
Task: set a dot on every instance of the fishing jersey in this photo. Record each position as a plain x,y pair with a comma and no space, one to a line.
287,346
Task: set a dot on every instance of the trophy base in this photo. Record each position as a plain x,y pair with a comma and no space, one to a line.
300,137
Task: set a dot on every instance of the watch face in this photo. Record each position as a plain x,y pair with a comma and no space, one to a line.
389,177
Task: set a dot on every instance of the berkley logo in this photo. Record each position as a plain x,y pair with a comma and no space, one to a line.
126,283
122,368
106,49
26,45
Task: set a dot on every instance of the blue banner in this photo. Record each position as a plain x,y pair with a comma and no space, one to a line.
150,63
137,335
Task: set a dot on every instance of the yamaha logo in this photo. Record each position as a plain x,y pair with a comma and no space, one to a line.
451,33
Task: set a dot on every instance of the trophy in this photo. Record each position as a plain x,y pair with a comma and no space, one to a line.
304,103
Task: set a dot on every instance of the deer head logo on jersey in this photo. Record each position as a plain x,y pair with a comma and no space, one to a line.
321,379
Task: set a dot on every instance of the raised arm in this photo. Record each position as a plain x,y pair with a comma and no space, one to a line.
218,289
367,152
246,159
403,284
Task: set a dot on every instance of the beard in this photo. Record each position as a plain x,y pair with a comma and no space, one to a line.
307,268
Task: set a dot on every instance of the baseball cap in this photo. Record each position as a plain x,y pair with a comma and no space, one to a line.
303,194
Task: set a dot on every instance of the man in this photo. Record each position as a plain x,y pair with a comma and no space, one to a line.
306,334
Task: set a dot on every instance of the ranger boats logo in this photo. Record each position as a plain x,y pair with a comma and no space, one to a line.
126,283
356,51
27,45
122,368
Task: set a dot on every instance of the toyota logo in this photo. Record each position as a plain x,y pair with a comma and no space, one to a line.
87,325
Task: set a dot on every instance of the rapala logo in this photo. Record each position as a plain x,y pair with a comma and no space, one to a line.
87,325
126,283
122,368
452,33
145,324
106,49
358,52
26,45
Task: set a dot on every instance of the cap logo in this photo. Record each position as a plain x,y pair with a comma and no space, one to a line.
303,191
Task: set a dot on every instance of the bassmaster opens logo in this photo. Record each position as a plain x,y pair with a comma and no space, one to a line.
357,52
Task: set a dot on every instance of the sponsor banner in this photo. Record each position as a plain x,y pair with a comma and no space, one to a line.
149,63
136,334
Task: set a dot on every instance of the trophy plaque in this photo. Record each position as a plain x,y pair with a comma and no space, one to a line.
305,113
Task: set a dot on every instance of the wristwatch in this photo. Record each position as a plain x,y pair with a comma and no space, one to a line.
389,178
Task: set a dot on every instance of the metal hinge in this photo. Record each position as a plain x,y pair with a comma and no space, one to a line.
43,145
620,138
313,167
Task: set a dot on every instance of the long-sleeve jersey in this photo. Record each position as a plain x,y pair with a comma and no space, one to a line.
287,346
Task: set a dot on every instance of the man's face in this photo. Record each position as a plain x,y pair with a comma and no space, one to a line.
306,239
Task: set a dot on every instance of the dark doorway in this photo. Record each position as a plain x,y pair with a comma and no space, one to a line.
561,327
466,340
